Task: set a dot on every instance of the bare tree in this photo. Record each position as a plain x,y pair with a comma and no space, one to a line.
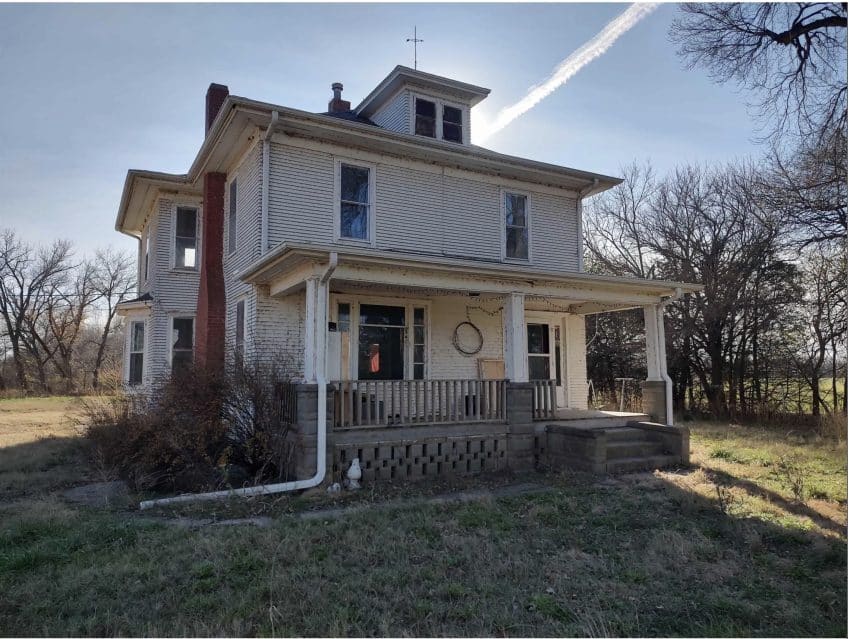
793,57
27,276
114,281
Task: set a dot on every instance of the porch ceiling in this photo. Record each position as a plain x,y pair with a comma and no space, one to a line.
285,270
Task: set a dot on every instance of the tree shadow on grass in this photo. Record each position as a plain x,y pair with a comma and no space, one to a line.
753,489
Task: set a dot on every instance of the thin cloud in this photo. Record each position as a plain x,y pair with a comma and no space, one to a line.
581,57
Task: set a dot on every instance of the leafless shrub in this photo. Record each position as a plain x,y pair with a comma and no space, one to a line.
794,475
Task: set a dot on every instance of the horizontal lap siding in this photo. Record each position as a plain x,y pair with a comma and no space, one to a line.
279,332
554,232
395,115
418,208
174,292
446,313
248,212
301,195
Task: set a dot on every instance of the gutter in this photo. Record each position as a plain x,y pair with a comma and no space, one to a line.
264,209
321,418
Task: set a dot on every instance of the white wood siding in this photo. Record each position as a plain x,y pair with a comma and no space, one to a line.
576,358
395,114
278,334
418,207
446,313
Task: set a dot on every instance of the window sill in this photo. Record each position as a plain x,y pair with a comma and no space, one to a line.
355,241
516,260
183,269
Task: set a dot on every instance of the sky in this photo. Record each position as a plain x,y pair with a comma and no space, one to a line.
90,91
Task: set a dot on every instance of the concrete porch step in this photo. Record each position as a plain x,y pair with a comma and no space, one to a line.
633,448
627,434
632,464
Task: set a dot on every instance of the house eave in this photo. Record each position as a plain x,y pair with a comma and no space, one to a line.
290,255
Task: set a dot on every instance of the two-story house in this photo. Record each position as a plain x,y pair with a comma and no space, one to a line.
425,291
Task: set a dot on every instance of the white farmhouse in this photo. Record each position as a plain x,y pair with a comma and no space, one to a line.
433,290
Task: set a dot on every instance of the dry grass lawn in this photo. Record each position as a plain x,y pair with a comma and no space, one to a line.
750,541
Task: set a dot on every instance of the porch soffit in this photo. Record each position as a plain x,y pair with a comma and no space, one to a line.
286,268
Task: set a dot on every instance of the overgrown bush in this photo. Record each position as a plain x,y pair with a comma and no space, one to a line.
195,431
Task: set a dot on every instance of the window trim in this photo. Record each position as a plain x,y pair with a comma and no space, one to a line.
146,250
232,215
236,347
409,303
171,318
439,104
198,235
372,208
143,321
503,193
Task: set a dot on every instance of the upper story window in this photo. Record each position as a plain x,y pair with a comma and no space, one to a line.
354,219
516,226
231,219
186,238
146,245
434,119
137,353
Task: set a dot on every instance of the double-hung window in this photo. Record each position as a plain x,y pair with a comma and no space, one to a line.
186,238
433,119
182,341
231,219
516,226
137,353
146,243
355,202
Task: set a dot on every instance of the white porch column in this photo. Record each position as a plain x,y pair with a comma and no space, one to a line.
653,343
515,338
315,326
658,387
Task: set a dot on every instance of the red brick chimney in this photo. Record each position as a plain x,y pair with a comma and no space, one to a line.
337,104
216,95
209,329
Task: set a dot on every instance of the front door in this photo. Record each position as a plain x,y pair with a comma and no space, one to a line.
544,355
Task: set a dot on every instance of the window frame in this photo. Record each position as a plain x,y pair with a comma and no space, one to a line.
371,205
198,235
239,348
232,215
146,249
130,352
440,104
409,304
171,318
503,211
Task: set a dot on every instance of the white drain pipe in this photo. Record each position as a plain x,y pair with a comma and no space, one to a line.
321,415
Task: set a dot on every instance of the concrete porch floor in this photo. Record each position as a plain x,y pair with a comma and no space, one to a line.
590,419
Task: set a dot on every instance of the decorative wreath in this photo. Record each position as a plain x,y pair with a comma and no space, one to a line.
467,339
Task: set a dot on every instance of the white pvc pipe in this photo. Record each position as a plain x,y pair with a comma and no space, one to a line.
321,416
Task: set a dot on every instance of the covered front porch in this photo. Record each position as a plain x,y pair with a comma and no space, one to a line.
420,350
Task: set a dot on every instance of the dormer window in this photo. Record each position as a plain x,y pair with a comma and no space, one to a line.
426,118
452,124
433,119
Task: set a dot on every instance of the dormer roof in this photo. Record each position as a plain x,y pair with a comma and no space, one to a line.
401,76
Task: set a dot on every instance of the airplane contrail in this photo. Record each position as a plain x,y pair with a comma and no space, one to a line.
582,56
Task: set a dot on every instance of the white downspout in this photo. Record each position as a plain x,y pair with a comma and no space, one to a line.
264,207
662,347
321,417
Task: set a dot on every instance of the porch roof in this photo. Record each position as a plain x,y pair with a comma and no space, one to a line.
286,268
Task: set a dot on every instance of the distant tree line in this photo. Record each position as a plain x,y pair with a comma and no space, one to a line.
767,239
59,332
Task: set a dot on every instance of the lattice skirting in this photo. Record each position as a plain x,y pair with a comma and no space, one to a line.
417,459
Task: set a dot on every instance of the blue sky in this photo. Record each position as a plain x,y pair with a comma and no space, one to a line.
93,90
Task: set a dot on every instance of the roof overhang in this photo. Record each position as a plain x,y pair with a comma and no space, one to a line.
241,120
285,269
401,76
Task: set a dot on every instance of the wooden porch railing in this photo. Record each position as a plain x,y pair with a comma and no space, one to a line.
544,403
369,403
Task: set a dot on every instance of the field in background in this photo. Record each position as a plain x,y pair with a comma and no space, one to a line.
750,541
